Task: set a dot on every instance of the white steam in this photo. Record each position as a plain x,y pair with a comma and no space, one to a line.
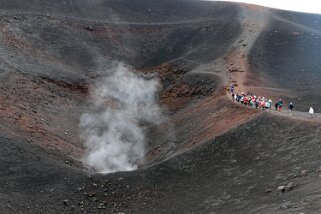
113,138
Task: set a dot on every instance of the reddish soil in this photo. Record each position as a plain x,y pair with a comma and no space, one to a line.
34,109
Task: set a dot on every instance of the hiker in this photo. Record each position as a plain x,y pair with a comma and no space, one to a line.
238,97
254,101
291,107
262,103
268,104
311,111
257,101
280,103
245,101
232,89
251,103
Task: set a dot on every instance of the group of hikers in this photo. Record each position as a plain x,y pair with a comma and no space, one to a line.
258,102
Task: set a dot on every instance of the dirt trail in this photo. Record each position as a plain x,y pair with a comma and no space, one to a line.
236,64
299,115
234,67
239,71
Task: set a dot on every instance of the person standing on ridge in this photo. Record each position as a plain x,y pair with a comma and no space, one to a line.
291,108
311,111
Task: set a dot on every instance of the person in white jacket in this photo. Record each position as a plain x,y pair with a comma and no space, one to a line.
311,111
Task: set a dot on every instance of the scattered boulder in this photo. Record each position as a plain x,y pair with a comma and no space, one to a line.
80,189
285,206
90,194
101,206
233,69
286,188
304,172
89,28
281,189
289,186
268,190
65,202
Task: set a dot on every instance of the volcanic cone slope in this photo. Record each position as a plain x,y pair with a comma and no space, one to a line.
210,154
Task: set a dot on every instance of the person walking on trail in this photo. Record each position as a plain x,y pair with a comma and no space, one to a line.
257,101
311,111
232,89
276,106
268,104
280,104
291,107
238,97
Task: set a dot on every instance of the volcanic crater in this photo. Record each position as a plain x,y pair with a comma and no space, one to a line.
210,154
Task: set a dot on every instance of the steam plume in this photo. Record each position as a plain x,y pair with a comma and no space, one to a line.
113,137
